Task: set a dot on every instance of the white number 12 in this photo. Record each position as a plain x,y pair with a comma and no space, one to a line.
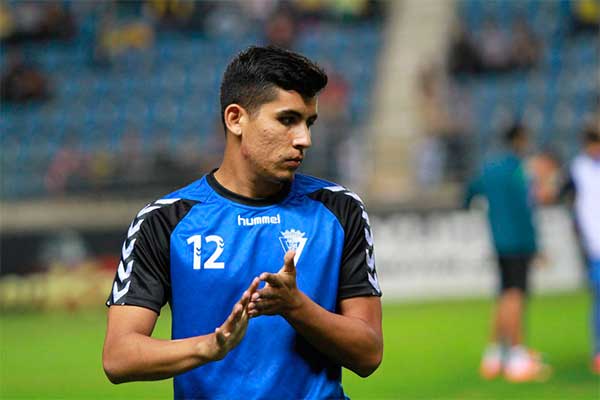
211,263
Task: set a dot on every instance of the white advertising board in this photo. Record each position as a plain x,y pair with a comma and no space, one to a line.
449,254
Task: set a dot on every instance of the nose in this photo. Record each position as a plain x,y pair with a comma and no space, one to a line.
302,137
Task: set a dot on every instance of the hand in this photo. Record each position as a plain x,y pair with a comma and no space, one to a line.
231,333
540,261
280,294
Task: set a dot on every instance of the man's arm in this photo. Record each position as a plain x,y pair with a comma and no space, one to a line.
130,354
353,338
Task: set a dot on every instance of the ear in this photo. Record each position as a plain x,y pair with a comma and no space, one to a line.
235,116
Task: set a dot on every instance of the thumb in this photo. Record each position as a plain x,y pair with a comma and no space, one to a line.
288,261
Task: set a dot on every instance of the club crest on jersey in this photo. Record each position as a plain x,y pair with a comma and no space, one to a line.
292,239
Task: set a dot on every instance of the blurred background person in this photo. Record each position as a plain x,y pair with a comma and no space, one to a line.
504,183
584,182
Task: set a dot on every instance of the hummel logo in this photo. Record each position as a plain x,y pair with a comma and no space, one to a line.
264,220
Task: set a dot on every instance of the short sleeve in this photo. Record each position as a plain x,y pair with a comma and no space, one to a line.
143,274
358,275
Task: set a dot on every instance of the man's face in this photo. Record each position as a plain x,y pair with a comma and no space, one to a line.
275,136
593,149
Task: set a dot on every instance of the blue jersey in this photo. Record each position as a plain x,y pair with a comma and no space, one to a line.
199,248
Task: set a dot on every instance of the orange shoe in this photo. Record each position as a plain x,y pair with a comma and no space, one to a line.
596,364
527,367
490,368
491,361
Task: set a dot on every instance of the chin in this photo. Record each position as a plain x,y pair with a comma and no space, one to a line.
285,176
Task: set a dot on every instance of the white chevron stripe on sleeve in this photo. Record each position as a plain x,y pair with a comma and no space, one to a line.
117,294
370,260
373,281
124,273
134,228
165,202
147,209
126,251
368,236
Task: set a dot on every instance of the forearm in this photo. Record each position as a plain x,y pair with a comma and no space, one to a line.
135,357
346,340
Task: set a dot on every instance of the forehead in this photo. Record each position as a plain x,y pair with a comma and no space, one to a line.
291,100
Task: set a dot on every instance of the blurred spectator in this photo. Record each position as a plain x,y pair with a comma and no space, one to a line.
504,184
27,20
22,82
116,40
334,126
64,171
179,15
495,51
280,29
525,46
494,48
463,55
584,180
585,16
444,112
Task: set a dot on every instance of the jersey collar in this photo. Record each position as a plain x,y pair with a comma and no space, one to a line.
249,201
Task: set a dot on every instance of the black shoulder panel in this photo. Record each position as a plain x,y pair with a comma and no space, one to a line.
143,274
358,276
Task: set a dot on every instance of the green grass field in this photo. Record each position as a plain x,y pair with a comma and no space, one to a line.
431,352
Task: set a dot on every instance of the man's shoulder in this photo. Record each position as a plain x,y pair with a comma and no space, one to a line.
338,199
197,191
174,205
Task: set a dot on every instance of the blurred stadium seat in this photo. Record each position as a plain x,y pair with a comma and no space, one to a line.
170,88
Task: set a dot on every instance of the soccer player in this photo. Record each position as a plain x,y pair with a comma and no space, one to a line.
585,181
270,275
504,183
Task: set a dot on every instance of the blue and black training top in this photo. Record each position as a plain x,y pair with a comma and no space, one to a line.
200,247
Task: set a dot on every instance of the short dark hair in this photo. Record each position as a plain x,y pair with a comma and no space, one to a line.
514,132
252,76
591,135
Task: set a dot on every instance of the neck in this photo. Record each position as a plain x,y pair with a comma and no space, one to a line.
241,179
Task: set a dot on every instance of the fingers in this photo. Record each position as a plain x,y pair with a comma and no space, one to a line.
271,279
246,296
254,285
288,261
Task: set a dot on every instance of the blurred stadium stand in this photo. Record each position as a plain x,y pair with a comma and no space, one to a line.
128,94
555,96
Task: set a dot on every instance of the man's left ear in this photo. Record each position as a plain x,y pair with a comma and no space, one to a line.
235,117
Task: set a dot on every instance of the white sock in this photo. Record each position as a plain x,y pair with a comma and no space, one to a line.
493,351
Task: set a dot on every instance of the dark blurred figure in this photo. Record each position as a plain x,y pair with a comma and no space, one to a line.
180,15
444,111
584,183
29,20
22,82
494,48
585,16
280,28
505,185
64,174
526,48
463,55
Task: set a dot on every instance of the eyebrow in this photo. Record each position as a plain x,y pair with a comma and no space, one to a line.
296,114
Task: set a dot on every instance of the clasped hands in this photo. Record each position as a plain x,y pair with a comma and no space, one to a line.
278,296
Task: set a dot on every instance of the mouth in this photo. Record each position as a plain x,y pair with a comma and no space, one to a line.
293,162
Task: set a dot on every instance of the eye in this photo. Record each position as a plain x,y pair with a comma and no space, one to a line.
287,121
310,122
